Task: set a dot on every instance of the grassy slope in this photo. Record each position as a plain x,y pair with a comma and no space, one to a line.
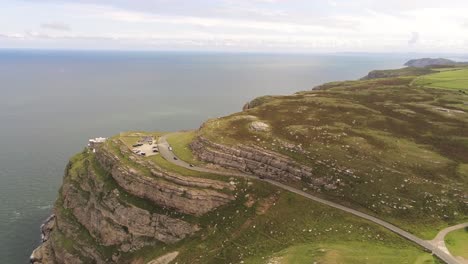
407,153
274,222
457,242
447,79
179,142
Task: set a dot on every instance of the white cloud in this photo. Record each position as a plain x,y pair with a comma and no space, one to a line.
337,25
414,39
56,26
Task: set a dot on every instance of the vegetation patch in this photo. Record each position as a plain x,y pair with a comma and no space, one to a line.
457,242
179,142
456,79
403,147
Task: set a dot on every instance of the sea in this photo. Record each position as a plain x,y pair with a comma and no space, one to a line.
52,102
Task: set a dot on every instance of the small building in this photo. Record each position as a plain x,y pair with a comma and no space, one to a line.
94,142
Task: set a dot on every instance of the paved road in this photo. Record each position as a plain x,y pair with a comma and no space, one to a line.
428,245
439,240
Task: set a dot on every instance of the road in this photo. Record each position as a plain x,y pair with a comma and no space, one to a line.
428,245
439,240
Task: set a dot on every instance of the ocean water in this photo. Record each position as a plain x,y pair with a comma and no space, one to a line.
51,102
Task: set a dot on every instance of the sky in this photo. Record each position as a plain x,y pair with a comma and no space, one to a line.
237,25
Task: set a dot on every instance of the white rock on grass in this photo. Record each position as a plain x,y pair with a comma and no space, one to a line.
259,126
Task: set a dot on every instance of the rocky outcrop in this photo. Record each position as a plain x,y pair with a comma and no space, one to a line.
188,198
112,221
257,102
44,253
113,203
259,126
254,161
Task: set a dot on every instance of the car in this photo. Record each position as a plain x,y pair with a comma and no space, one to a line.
261,178
191,165
155,150
136,151
175,158
143,154
135,145
170,148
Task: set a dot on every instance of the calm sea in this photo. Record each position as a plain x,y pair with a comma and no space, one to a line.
51,102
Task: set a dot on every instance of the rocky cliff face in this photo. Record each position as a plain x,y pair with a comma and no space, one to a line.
112,204
258,162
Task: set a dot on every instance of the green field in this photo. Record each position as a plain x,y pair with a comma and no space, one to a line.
447,79
180,141
457,242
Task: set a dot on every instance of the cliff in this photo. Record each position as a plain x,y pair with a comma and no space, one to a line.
113,203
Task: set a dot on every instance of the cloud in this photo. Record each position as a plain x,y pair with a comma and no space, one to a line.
414,38
56,26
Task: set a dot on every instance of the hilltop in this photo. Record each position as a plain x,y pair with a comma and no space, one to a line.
391,147
428,62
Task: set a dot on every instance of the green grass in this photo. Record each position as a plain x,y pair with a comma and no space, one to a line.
407,155
408,71
457,242
293,221
351,252
449,79
179,142
170,167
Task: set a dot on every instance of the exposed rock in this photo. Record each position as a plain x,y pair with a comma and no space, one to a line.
95,222
259,126
254,161
165,259
43,254
184,199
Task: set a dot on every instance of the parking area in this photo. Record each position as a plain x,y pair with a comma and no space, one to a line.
147,146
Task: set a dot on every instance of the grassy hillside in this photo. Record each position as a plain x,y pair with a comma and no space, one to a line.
404,147
408,71
266,224
456,79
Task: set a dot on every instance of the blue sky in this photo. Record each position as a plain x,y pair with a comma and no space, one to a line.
237,25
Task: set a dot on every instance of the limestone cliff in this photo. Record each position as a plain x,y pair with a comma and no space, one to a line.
257,161
113,203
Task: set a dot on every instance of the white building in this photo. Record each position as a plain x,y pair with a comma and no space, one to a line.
94,142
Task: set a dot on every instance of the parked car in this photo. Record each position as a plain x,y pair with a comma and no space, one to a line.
175,158
191,165
170,148
143,153
155,150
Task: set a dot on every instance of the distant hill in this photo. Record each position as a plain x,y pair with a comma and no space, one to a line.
427,62
408,71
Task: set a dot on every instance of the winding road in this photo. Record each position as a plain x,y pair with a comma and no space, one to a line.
435,246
